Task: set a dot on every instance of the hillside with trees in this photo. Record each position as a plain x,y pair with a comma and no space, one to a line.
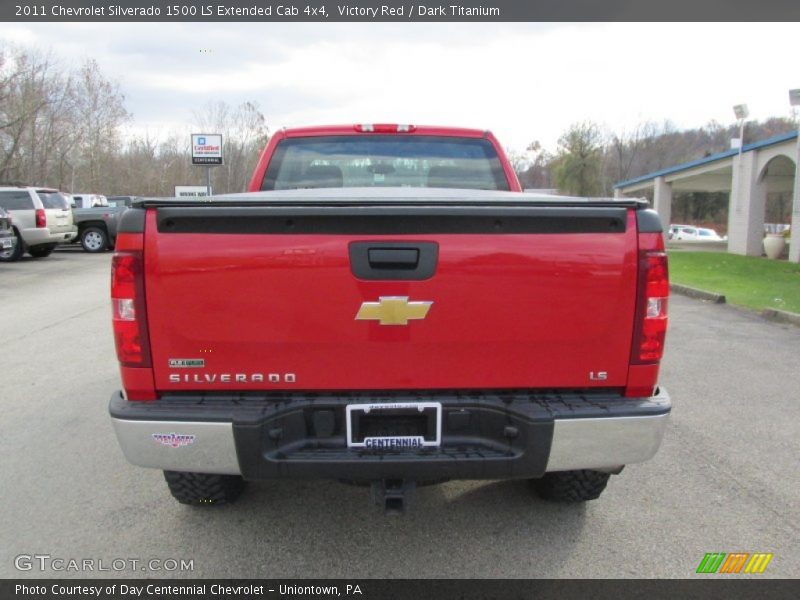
65,128
589,161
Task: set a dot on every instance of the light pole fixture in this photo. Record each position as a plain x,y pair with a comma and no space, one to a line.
741,111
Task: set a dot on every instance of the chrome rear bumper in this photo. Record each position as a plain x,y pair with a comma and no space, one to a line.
262,447
605,443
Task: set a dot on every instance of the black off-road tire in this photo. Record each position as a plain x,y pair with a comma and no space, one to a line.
16,253
41,251
202,489
571,486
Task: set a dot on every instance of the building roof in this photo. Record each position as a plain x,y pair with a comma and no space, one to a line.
784,137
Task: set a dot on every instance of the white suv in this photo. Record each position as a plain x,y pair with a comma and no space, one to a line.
41,218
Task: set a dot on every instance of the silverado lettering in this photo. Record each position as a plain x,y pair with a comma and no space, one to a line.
222,378
442,323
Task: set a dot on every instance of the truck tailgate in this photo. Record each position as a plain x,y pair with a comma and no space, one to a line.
267,298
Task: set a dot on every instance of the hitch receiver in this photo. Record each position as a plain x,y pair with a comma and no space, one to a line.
393,495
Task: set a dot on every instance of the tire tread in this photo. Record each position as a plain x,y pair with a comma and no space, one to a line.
571,486
203,488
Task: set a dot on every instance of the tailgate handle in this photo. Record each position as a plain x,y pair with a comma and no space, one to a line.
405,261
393,258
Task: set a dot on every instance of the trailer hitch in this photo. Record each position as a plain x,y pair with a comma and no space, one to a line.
393,495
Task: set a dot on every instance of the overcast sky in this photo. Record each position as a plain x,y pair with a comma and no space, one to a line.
523,81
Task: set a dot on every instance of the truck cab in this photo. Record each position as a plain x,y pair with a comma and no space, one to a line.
83,200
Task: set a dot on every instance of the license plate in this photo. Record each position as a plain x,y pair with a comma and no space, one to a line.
7,243
394,426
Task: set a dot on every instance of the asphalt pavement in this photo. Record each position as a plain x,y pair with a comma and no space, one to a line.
725,480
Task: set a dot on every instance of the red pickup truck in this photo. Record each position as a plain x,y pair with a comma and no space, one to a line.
385,306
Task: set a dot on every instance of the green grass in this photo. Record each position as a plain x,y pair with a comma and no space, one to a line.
748,281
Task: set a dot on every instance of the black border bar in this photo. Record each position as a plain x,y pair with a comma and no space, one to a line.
706,587
396,11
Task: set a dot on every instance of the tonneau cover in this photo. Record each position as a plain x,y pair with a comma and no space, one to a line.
391,196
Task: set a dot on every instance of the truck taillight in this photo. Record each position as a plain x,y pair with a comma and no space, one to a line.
384,128
41,218
651,307
128,309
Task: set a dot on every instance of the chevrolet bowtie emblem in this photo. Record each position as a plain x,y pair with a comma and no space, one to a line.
393,310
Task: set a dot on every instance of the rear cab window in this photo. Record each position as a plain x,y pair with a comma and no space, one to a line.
53,199
16,200
385,161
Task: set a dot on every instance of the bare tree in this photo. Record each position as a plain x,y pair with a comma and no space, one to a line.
25,86
101,110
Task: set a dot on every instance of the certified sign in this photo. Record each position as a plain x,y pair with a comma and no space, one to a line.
206,149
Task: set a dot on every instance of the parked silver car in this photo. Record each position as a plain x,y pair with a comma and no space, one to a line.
41,220
7,238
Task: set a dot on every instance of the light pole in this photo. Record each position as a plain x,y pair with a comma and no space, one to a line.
741,112
794,97
794,240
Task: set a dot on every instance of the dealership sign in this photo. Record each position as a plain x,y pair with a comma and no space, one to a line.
191,191
206,149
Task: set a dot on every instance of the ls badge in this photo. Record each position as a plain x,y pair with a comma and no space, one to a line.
393,310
